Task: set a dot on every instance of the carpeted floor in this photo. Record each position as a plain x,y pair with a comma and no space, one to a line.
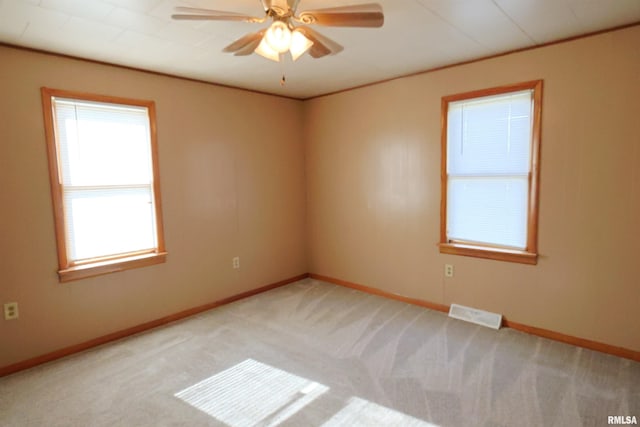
312,354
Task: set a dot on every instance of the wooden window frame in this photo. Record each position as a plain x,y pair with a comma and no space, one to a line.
69,270
529,255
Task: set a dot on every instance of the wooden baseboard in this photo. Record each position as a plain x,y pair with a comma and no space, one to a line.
579,342
374,291
544,333
67,351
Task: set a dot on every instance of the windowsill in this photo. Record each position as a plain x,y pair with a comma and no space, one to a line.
110,266
489,252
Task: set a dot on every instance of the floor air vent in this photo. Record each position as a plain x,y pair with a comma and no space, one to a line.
480,317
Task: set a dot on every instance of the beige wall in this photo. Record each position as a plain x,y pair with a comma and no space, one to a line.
232,183
373,190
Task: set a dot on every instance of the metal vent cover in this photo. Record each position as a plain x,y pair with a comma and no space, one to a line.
473,315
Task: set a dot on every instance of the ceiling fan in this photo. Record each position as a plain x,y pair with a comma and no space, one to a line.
289,31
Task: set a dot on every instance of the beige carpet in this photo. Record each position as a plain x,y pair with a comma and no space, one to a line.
315,354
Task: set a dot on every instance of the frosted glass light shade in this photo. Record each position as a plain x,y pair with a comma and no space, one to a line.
278,37
265,51
299,44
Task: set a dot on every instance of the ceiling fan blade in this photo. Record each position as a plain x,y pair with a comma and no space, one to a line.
322,45
198,14
186,17
243,41
362,15
251,42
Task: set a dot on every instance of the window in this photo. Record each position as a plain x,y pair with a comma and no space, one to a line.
490,162
104,182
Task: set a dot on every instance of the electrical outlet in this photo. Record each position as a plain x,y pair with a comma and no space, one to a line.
11,311
448,270
236,262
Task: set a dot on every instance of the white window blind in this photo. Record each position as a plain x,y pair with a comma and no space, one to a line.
488,165
104,154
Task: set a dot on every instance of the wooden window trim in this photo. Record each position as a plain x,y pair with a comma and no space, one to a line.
530,254
68,270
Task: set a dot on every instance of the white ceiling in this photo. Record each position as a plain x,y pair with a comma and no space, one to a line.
417,35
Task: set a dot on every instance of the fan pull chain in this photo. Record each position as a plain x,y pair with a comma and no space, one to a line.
283,80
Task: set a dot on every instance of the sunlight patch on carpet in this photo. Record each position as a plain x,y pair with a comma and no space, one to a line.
251,393
360,413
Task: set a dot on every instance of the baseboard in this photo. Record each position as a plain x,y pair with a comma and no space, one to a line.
578,342
544,333
374,291
67,351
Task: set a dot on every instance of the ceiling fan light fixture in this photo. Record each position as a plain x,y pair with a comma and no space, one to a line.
282,35
299,44
266,51
278,37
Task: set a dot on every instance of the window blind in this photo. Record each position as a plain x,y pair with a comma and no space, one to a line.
488,165
106,177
